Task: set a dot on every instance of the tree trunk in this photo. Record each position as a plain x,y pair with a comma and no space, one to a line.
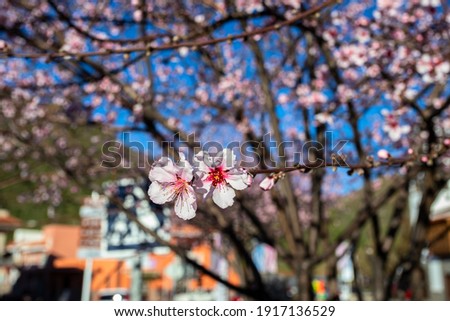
378,278
304,284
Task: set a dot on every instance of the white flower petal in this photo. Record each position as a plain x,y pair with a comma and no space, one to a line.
267,183
160,174
405,129
163,171
203,186
228,158
395,134
186,204
161,193
324,118
203,167
445,67
185,170
383,154
202,159
223,196
435,3
199,156
238,180
422,68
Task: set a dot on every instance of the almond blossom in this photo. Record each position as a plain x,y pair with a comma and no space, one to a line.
267,183
383,154
388,4
324,118
73,42
3,45
351,55
219,176
430,3
392,125
432,68
270,181
172,182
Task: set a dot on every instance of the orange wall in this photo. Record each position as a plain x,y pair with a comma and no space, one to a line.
106,273
61,240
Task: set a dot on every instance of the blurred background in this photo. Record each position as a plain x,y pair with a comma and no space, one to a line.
92,92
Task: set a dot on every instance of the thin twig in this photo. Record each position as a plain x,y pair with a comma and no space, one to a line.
173,44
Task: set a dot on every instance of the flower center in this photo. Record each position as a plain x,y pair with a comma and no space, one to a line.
217,176
180,185
392,121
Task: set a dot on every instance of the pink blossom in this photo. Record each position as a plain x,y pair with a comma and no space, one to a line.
220,176
388,4
90,88
317,97
202,95
349,55
362,35
199,19
184,51
283,98
293,3
111,117
373,71
138,110
172,182
432,68
137,15
330,36
73,42
290,78
96,101
324,118
267,183
3,45
383,154
392,125
345,93
249,6
430,3
319,84
388,8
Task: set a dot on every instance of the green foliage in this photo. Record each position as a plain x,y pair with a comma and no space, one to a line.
345,211
35,214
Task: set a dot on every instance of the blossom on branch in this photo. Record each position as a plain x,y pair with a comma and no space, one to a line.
392,125
172,182
216,175
267,183
220,176
433,68
383,154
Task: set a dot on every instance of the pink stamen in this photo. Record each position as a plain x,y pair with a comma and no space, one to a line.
180,185
217,176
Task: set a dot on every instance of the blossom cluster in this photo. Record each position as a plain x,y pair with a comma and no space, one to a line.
216,176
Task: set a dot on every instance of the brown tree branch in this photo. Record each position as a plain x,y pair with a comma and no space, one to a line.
173,45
